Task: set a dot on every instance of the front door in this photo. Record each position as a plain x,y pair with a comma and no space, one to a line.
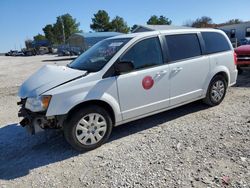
146,88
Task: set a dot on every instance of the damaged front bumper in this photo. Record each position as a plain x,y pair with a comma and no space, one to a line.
35,122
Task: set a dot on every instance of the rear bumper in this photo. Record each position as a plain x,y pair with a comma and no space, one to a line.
233,77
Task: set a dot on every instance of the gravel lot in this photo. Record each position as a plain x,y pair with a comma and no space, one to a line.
191,146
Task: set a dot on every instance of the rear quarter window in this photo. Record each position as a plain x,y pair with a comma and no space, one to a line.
215,42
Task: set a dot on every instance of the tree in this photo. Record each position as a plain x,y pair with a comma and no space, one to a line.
188,23
133,27
64,27
162,20
230,22
100,21
233,21
153,20
119,25
60,31
28,43
69,23
49,33
203,22
39,37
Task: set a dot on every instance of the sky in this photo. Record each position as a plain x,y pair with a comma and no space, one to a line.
22,19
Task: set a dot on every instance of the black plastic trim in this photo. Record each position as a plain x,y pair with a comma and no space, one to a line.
202,44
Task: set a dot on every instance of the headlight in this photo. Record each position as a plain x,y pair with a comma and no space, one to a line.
38,104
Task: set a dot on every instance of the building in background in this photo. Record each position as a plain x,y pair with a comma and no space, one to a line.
145,28
239,34
80,42
41,43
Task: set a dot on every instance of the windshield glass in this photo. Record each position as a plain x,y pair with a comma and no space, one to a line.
95,58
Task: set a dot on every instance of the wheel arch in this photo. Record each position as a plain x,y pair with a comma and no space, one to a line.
99,103
223,71
224,74
207,99
220,70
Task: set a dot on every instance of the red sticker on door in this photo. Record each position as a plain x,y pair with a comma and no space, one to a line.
147,82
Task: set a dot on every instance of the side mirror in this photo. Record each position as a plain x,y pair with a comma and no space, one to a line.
124,66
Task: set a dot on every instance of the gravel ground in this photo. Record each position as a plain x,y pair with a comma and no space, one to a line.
190,146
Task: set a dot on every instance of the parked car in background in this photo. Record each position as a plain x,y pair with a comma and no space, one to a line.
11,53
52,50
74,53
64,53
244,41
243,57
30,52
14,53
125,78
20,53
69,51
43,50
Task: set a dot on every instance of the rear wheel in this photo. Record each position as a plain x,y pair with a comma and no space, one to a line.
88,128
216,91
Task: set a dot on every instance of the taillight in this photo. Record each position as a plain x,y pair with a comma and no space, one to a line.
235,58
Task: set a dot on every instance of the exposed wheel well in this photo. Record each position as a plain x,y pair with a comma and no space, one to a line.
224,75
99,103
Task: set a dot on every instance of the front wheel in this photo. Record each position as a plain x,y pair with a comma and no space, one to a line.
88,128
216,91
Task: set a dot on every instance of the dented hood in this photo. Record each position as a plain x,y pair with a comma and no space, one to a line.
46,78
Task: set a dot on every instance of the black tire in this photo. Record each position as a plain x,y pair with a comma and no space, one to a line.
209,100
69,127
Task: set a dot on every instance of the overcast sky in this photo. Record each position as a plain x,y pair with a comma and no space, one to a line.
20,20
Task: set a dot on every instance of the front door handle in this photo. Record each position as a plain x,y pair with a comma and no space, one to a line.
161,73
164,72
177,69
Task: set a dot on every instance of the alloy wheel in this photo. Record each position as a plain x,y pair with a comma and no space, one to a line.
218,91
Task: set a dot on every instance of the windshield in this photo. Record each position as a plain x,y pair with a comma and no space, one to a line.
95,58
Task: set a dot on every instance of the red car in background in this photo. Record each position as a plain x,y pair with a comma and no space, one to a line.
243,57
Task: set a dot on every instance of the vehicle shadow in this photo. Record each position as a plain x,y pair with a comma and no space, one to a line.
154,120
243,79
21,152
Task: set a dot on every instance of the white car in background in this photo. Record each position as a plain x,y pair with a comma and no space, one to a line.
125,78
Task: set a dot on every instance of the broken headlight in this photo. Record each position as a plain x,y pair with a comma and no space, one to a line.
38,104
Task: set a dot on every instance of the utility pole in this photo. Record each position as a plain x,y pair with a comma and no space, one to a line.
63,30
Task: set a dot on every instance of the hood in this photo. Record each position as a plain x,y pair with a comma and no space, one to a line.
46,78
243,50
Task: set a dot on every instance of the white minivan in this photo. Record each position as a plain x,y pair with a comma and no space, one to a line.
125,78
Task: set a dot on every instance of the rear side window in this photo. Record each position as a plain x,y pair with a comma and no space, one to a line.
183,46
215,42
